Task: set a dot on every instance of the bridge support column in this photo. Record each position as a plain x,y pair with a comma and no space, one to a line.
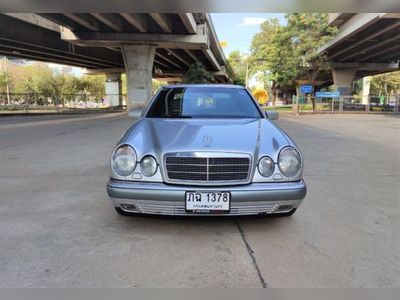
113,88
138,61
343,79
365,90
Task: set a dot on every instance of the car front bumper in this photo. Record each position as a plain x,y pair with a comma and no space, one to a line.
163,199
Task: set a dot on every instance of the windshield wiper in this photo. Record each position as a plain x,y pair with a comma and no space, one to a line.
178,117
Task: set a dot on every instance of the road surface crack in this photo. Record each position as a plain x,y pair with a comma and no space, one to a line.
251,254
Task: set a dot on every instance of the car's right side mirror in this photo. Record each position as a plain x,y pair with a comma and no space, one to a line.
272,115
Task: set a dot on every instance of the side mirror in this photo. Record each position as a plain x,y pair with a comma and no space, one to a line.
272,114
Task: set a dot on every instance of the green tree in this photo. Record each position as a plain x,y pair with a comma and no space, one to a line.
34,79
271,52
237,67
3,82
42,84
94,85
286,53
197,74
385,84
156,85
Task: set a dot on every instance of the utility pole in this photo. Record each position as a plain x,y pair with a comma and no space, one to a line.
5,61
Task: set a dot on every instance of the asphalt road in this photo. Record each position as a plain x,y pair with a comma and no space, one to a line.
58,228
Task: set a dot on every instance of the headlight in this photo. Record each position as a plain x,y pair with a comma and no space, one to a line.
289,162
266,166
148,166
124,160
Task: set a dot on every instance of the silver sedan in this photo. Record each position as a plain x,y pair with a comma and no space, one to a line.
206,150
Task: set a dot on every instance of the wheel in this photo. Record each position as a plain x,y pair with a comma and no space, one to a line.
121,212
286,214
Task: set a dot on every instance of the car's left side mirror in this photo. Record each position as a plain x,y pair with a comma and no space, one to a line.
272,115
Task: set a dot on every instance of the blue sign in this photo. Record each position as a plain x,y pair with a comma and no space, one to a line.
327,94
306,88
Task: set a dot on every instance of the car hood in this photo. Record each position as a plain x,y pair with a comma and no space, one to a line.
256,137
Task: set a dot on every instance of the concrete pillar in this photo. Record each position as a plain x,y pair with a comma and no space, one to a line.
113,89
138,61
366,89
343,79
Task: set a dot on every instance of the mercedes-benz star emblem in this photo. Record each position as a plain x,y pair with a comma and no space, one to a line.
207,140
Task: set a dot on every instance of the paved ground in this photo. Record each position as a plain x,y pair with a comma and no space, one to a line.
58,229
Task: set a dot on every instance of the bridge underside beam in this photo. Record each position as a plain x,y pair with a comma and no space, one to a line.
100,39
366,66
344,73
37,43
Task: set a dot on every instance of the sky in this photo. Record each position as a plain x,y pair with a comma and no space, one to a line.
237,29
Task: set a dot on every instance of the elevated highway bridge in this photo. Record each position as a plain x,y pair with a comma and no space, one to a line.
365,44
142,45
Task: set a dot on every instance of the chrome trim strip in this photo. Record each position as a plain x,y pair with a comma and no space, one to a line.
178,208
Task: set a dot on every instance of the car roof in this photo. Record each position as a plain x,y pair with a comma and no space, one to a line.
231,86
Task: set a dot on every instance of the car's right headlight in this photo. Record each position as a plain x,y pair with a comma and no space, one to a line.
124,160
148,166
289,161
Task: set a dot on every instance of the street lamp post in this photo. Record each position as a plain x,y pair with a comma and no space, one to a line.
247,73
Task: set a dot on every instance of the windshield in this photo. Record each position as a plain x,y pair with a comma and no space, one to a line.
201,102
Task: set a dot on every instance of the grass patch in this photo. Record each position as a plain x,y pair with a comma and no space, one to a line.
279,108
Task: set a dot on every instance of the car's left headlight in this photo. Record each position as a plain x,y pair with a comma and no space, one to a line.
266,166
148,166
289,162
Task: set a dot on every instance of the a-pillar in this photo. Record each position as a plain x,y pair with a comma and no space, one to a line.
113,89
343,80
138,61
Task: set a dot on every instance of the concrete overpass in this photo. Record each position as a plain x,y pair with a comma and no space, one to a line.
143,45
365,44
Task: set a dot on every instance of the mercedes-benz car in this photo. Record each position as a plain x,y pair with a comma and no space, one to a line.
206,150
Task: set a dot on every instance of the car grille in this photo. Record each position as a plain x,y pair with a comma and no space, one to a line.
208,169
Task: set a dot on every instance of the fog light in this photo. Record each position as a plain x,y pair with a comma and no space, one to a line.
128,207
285,207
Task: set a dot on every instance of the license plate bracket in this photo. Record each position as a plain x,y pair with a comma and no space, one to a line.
207,202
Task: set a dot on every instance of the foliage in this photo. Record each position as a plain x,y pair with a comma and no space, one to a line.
271,53
385,84
3,82
38,78
197,74
93,85
308,32
156,84
286,53
237,67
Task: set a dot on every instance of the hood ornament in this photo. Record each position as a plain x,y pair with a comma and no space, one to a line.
207,140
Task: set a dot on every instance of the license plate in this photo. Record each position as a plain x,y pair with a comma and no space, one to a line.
208,202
